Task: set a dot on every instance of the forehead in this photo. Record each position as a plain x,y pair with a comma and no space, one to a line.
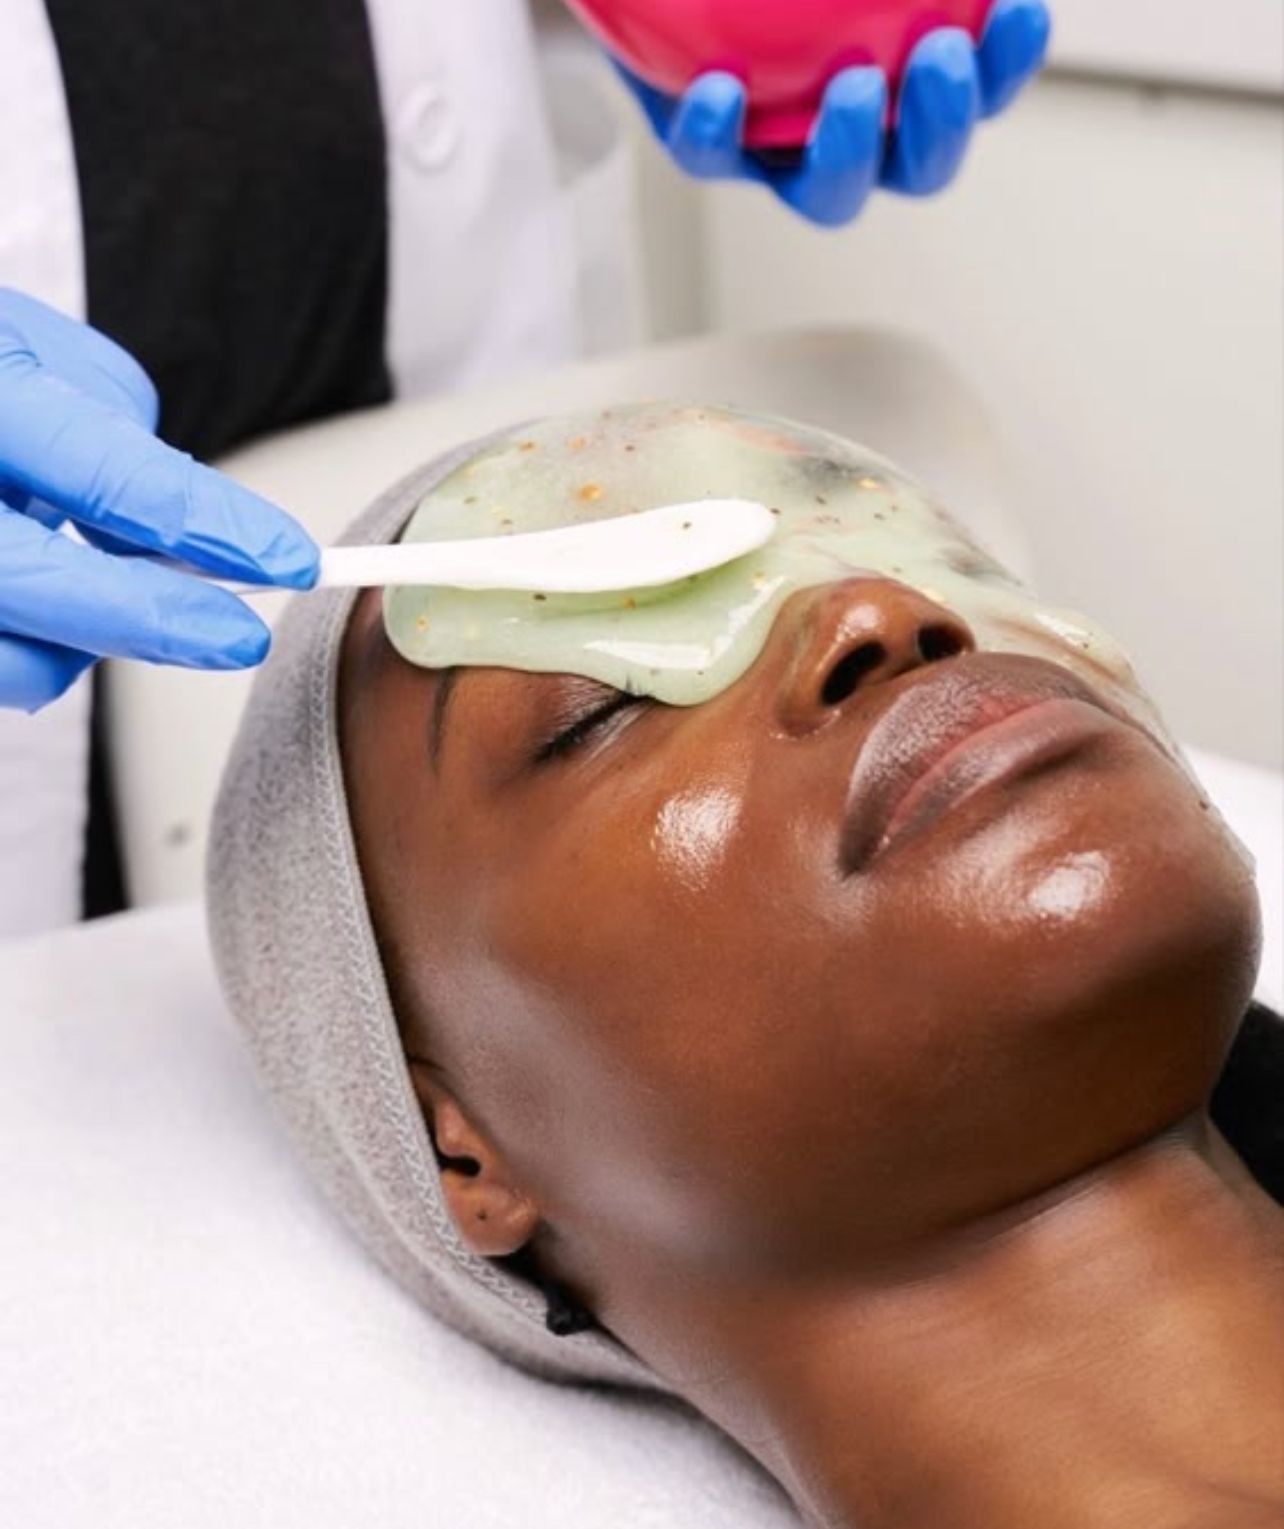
587,467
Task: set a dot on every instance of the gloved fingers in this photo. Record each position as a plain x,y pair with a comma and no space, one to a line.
59,591
706,133
702,128
940,102
106,542
844,153
109,473
79,354
1012,50
32,674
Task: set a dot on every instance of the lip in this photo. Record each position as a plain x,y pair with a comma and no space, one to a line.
965,725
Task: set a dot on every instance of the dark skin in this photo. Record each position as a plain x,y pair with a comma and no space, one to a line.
896,1164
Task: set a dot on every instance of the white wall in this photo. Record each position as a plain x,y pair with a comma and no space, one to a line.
1236,44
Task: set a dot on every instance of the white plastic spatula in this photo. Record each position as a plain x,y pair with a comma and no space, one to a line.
626,552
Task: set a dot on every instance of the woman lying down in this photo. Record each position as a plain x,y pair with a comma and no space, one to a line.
799,992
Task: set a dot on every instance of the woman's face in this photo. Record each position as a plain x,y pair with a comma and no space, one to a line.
889,933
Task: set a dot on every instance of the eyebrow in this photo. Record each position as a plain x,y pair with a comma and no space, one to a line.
446,683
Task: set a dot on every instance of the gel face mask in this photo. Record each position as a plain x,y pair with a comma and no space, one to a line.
842,512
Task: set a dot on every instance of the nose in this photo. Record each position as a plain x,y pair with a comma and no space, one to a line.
857,634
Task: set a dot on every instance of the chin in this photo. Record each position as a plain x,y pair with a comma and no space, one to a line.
1114,939
1147,905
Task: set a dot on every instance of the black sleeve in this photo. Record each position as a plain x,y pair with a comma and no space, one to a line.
230,157
1248,1103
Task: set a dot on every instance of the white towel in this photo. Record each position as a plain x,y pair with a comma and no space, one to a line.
189,1337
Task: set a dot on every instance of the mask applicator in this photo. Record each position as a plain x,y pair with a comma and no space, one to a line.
642,551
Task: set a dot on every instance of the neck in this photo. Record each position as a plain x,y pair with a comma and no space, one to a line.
1107,1357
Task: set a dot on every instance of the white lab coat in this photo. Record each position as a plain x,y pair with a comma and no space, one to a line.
481,283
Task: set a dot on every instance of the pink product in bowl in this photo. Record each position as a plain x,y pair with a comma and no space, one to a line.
785,51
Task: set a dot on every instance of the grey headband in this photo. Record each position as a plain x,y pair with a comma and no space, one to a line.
297,958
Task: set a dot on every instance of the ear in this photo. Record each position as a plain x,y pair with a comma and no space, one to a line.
492,1213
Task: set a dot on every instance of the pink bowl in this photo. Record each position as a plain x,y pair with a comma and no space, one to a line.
784,50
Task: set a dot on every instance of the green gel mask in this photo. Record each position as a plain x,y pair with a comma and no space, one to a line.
842,512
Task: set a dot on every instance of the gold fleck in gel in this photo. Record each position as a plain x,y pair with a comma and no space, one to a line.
841,512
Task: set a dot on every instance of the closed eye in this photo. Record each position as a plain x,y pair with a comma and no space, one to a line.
576,730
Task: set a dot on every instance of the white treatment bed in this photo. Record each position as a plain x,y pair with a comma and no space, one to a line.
187,1337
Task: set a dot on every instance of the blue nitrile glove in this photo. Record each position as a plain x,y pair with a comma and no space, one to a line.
949,84
76,444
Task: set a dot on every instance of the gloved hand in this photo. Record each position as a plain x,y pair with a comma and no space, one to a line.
949,85
76,444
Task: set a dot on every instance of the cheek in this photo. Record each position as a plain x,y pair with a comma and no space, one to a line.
693,835
625,915
660,999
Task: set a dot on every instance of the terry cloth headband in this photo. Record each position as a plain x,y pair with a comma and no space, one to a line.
297,958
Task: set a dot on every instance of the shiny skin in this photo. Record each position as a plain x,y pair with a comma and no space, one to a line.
644,1023
759,1106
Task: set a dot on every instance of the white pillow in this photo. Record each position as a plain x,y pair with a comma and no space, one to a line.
188,1337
